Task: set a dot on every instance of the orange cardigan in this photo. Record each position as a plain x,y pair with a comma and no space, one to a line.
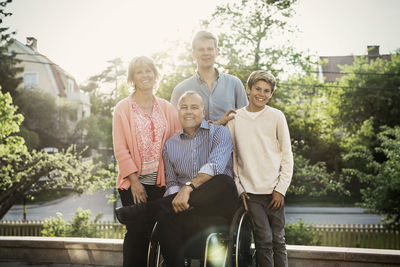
125,142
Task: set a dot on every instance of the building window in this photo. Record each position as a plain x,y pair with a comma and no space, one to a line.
31,80
70,86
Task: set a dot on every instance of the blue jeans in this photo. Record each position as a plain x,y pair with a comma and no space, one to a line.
269,231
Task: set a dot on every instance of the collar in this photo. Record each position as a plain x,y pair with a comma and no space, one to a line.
203,125
197,75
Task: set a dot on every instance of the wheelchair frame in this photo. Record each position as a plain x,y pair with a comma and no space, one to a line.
239,244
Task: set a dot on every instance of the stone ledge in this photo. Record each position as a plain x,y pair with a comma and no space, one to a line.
61,250
332,256
69,251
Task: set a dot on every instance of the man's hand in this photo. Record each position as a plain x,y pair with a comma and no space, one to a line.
138,192
180,202
227,117
244,198
277,201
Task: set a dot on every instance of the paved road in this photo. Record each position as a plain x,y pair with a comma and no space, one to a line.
99,203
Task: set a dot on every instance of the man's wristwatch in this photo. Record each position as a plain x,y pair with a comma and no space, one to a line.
191,185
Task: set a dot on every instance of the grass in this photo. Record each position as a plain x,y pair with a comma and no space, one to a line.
48,195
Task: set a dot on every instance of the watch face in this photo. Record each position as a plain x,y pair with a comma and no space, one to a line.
190,184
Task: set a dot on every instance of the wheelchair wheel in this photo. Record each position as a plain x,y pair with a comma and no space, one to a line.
242,245
154,258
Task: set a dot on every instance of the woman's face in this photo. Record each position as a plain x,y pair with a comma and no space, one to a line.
144,78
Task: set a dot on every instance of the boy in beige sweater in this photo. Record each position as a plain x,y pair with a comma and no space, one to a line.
263,167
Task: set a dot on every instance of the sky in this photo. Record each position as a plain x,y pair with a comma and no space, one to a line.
82,35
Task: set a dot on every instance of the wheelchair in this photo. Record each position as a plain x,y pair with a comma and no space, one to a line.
231,246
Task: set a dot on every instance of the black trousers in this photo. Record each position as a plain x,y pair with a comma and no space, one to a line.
217,197
137,234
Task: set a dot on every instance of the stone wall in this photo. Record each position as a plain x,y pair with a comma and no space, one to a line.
63,252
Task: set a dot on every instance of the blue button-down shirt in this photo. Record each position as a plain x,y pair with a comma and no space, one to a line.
227,93
209,151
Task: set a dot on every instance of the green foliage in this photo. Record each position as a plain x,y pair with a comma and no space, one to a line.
55,226
302,234
21,170
380,176
249,30
313,179
11,147
81,225
177,67
383,191
304,101
95,131
357,104
47,121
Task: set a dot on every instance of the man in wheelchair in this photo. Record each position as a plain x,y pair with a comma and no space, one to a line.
199,184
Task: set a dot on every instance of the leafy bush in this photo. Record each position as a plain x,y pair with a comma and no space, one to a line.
81,226
55,226
302,234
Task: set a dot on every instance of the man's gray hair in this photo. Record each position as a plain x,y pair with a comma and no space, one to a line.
189,93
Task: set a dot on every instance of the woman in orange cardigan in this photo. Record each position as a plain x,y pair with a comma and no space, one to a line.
142,123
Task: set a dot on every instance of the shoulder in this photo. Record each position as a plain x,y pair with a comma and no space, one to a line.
122,105
275,112
239,113
172,141
182,85
219,131
164,103
231,78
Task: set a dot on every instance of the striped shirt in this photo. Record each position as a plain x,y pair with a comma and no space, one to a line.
209,151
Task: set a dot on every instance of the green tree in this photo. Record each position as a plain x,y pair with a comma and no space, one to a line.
370,89
177,65
253,36
48,121
313,180
21,170
382,178
8,68
95,131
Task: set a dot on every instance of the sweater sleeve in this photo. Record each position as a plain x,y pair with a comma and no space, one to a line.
124,158
231,127
286,168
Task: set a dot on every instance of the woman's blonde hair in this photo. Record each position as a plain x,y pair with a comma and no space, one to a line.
142,61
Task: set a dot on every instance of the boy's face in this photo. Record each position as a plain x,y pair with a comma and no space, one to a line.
204,53
259,94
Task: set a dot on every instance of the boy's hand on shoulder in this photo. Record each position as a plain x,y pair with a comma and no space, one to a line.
277,201
227,117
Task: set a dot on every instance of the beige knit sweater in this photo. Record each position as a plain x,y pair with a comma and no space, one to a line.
263,159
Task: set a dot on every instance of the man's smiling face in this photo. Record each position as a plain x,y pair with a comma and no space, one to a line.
191,112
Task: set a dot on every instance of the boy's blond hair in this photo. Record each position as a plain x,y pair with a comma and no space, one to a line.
204,35
261,75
